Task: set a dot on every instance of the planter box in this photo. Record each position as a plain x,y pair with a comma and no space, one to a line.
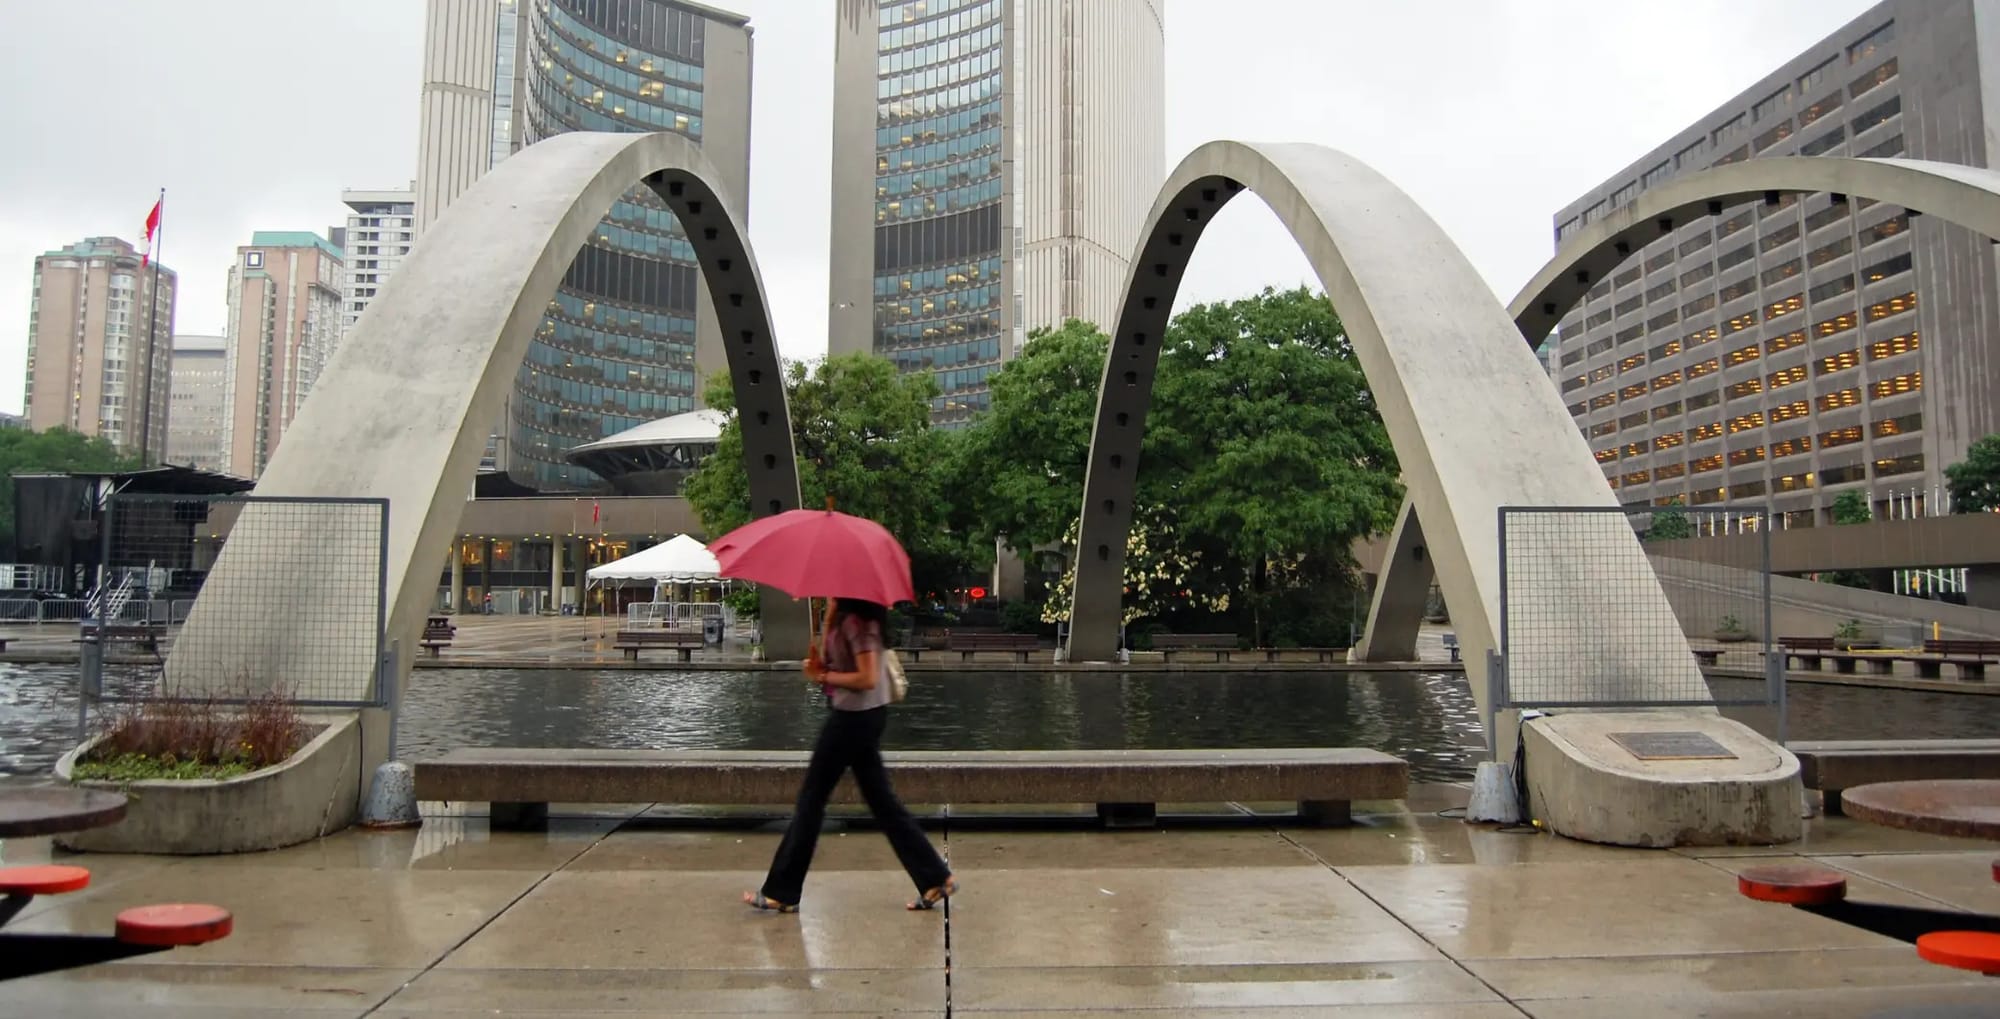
316,792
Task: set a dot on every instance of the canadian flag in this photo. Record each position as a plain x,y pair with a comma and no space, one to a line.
152,227
593,512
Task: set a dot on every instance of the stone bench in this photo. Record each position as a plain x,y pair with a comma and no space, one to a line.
1831,766
1126,785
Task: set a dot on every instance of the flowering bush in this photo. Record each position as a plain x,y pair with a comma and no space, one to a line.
1157,574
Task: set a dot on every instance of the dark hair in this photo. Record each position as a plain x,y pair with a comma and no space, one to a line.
874,612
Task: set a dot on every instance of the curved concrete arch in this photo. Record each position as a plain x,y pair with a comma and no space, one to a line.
1474,421
1965,195
403,410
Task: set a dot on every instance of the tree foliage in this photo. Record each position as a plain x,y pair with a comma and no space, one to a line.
1670,523
1852,508
864,437
1026,455
1975,481
55,451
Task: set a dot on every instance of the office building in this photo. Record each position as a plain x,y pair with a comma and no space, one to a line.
381,226
630,337
284,324
200,403
997,159
96,364
1786,352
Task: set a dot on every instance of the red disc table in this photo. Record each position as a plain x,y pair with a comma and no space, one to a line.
1968,808
53,809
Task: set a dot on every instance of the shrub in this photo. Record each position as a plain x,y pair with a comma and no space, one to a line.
179,735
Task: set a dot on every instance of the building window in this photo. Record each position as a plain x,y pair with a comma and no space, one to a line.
1869,81
1791,447
1785,342
1843,475
1787,377
1876,116
1694,244
1831,214
1817,76
1732,291
1884,269
1840,437
1624,195
1742,355
1893,346
1666,410
1893,306
1820,256
1811,115
1780,273
1903,424
1832,288
1887,149
1840,362
1788,411
1771,104
1886,229
1776,134
1871,44
1911,464
1747,387
1657,174
1839,400
1910,383
1699,272
1834,326
1824,143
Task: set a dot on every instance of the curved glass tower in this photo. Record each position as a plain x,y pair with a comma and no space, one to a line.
998,157
621,343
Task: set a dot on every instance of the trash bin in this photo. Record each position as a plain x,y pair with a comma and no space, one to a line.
711,629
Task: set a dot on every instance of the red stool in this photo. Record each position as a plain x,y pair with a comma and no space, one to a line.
1794,885
174,926
20,885
1974,950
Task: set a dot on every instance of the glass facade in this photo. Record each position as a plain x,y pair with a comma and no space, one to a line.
617,346
939,200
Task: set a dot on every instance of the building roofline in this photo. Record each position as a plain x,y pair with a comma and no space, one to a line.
294,239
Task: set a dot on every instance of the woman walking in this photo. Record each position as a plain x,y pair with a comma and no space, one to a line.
857,689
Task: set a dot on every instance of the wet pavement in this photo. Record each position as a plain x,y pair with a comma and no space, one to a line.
1406,914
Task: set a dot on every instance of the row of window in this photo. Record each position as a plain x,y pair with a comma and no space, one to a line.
586,401
632,75
1839,323
908,359
1689,157
672,32
920,21
971,196
940,76
890,336
1832,438
896,61
1881,390
892,164
950,303
569,114
929,104
629,376
934,280
955,122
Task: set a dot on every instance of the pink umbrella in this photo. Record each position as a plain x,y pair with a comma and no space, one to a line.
818,554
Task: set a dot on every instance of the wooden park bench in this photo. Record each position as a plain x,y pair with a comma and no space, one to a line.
1808,651
1020,645
1321,654
1831,766
145,637
1707,657
685,641
1170,644
1125,785
1969,657
438,632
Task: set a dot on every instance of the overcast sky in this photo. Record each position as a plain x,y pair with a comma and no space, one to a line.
255,114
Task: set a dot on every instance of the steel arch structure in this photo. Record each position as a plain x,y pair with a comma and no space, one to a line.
403,410
1965,195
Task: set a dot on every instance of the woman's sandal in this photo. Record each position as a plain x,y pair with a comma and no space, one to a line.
764,903
934,896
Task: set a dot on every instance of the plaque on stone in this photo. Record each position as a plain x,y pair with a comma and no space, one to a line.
1672,746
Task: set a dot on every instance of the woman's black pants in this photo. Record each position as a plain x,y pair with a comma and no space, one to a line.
850,739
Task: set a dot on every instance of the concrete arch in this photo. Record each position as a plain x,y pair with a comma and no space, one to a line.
1472,416
1965,195
403,410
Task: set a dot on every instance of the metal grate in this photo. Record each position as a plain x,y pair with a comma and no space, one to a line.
1594,613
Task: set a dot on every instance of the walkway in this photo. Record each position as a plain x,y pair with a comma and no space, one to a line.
1407,915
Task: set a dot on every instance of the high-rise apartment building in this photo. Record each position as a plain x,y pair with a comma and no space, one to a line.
96,364
1784,353
381,226
284,324
200,402
630,336
996,158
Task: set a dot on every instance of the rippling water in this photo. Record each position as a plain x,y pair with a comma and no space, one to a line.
1428,720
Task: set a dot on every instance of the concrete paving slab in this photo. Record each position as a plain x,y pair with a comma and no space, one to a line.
1140,917
697,920
1655,903
1681,975
1845,835
192,992
673,991
441,844
734,852
1961,1002
294,916
1074,989
1859,886
1958,880
974,852
1384,839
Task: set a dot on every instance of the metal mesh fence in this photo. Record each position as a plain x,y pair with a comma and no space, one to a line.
237,595
1591,616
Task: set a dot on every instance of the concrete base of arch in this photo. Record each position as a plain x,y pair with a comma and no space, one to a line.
1402,587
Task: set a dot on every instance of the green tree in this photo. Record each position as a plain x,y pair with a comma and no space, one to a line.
55,451
1670,523
1850,508
863,436
1026,456
1266,441
1975,481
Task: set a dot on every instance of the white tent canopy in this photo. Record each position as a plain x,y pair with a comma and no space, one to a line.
679,560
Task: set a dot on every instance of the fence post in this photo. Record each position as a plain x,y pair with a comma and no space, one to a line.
1774,667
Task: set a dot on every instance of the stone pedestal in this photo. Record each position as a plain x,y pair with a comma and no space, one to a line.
1661,779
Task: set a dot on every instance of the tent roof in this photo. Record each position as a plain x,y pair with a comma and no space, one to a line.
680,558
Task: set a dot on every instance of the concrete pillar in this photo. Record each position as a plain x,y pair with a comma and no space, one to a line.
582,567
1982,587
1396,611
556,574
485,572
458,574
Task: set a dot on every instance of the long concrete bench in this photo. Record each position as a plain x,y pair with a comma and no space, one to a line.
1831,766
1126,785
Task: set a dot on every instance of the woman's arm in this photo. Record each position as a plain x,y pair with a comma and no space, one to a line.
869,662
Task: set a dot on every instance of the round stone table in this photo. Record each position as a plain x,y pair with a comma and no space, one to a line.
53,809
1965,807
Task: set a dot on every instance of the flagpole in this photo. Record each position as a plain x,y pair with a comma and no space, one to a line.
158,241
